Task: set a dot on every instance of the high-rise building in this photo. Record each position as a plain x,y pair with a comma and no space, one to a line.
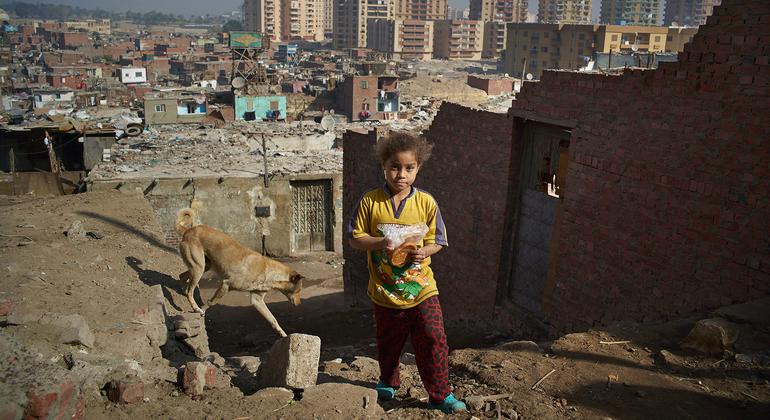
499,10
630,12
688,12
494,38
351,17
458,39
534,47
401,39
328,17
564,11
286,20
421,9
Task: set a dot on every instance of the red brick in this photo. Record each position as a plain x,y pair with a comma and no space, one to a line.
6,308
39,405
126,391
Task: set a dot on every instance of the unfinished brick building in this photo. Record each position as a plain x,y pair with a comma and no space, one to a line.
643,196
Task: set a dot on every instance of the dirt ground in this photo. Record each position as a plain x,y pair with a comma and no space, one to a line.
642,374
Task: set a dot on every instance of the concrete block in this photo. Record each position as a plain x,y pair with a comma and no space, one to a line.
523,346
76,330
248,363
291,363
330,399
126,391
755,312
198,376
713,335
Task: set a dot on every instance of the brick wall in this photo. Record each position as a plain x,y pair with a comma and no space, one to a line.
468,177
667,204
492,86
360,173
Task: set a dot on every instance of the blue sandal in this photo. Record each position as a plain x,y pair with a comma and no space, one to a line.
385,392
449,405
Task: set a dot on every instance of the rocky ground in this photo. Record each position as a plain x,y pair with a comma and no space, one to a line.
99,304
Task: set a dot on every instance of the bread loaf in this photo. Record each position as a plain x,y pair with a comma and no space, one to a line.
401,254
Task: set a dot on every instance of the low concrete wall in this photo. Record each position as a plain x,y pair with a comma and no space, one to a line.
229,204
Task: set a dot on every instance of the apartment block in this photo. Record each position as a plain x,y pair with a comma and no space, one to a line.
458,39
494,39
499,10
421,9
72,40
286,20
328,18
351,17
401,39
564,11
688,12
302,19
102,26
631,12
534,47
678,36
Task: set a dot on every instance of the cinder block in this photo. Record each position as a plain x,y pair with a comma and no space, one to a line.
291,363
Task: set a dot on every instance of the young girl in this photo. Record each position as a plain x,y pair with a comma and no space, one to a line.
405,298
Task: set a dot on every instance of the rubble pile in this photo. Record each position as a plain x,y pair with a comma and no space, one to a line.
235,150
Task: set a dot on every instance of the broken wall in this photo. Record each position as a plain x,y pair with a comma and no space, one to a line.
666,208
240,206
467,175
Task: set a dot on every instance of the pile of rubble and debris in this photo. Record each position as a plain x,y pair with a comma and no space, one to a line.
189,150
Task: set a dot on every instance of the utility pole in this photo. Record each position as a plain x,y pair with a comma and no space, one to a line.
55,169
264,160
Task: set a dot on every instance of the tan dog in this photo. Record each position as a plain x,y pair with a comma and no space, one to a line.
204,248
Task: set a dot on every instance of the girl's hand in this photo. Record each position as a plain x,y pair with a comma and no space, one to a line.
387,245
417,255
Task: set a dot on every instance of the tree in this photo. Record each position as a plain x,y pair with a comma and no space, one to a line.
232,25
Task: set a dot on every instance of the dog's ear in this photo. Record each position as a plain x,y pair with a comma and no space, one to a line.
295,277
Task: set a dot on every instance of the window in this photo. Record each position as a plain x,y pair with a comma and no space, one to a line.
138,74
657,38
669,38
614,37
365,106
160,108
544,49
364,84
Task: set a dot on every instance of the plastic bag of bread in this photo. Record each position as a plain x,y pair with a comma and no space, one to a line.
404,238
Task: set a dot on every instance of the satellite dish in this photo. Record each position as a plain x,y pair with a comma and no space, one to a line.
328,123
529,76
634,48
239,82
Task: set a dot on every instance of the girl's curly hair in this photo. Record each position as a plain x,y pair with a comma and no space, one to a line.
399,141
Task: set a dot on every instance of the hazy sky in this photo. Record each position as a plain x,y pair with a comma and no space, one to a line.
187,7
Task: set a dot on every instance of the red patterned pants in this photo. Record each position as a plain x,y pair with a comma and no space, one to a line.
425,324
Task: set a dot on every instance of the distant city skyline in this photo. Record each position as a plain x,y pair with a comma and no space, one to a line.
202,7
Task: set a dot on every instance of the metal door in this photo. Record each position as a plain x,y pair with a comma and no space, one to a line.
311,215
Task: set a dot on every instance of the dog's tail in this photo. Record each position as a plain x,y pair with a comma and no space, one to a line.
184,221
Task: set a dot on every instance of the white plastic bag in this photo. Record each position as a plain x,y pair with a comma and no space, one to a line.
398,234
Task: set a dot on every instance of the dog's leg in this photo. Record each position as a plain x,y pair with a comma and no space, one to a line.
185,278
223,289
258,300
196,265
